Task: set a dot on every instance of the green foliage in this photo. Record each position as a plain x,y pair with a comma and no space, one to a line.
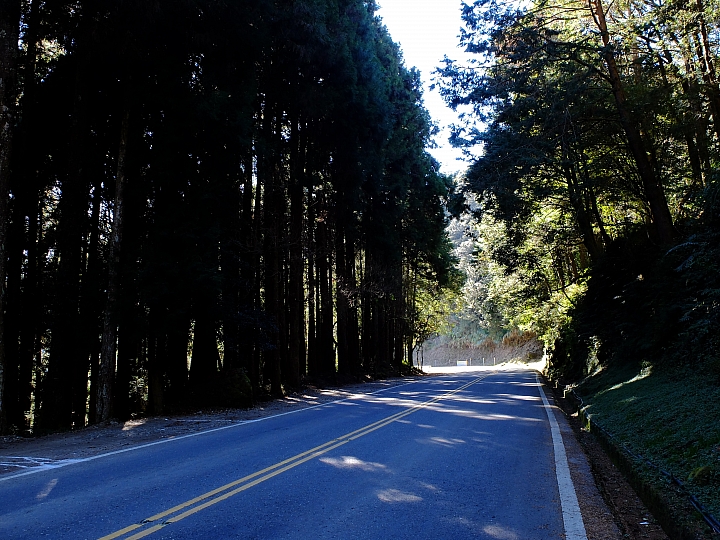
433,307
512,287
565,105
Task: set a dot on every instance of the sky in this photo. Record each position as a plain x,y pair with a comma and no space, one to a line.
427,30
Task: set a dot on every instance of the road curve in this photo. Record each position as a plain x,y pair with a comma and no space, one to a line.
463,455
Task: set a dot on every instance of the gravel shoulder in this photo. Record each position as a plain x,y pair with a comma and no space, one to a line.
18,454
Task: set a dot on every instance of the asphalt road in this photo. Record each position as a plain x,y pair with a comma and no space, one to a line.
466,455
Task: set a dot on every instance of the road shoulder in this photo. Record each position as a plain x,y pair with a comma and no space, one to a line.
610,507
21,454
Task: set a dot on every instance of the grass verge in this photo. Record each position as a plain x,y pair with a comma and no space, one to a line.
670,415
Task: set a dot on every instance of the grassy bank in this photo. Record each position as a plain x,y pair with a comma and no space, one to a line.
670,415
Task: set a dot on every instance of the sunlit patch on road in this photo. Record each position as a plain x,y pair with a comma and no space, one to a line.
397,496
515,397
446,442
350,462
495,531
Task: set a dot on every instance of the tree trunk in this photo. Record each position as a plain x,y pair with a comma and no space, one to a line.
296,308
176,358
205,356
129,346
661,217
246,334
368,319
325,343
58,388
705,58
30,312
90,317
156,363
106,373
25,176
255,280
15,246
312,352
353,330
271,246
343,304
581,215
9,30
230,276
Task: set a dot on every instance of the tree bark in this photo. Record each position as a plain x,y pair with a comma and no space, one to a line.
581,215
271,269
90,317
25,176
353,330
156,363
230,275
325,341
15,244
57,395
343,304
205,356
312,289
296,308
254,274
30,312
246,334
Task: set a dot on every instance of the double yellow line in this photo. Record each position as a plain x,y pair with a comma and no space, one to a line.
188,508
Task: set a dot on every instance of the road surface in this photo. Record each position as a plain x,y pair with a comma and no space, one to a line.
461,455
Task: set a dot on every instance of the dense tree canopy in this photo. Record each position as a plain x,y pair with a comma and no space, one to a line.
206,200
598,124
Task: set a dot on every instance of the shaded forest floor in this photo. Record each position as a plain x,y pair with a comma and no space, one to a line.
643,350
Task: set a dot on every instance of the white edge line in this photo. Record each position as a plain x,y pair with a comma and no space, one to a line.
65,463
572,517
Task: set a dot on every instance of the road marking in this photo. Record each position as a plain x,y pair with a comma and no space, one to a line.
572,518
181,511
49,464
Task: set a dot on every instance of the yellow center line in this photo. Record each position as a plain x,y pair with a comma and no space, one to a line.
225,492
216,491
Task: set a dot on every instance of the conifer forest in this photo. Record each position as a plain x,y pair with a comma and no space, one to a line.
206,201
